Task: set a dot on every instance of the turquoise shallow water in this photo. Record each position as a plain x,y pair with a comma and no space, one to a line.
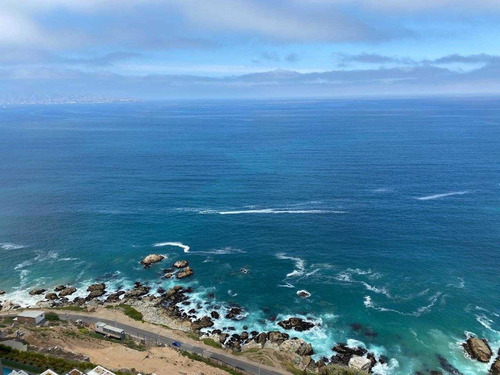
387,212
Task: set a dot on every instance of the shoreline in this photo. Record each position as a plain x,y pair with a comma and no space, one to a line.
178,309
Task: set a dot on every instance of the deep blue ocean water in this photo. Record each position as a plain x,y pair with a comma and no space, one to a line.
386,211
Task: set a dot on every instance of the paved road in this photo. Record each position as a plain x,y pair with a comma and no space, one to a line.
201,350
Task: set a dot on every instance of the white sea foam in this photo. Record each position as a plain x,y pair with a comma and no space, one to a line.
286,285
299,265
176,244
224,251
11,246
346,276
436,196
367,301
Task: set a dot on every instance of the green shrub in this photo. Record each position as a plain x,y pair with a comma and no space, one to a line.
212,343
52,317
131,312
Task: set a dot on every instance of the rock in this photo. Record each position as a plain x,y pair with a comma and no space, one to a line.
478,349
51,296
152,258
115,297
360,363
37,292
223,338
447,366
59,288
296,324
345,353
296,346
244,335
251,345
67,291
138,291
188,271
215,315
261,338
495,366
234,312
95,287
277,337
181,264
2,292
202,323
168,275
303,294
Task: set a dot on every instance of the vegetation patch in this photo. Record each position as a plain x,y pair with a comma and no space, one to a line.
52,317
212,343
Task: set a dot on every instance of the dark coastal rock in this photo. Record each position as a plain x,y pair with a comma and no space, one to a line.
202,323
296,324
138,291
160,290
345,353
96,290
79,301
67,291
2,292
478,349
447,366
234,312
215,315
115,297
59,288
303,294
151,259
168,275
261,338
37,292
186,272
223,338
180,264
495,366
51,296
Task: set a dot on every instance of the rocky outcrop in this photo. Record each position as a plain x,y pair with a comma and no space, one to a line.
296,324
151,259
37,292
277,337
303,294
495,367
202,323
138,291
345,353
96,290
59,288
360,363
168,275
296,346
478,349
51,296
67,291
214,315
186,272
181,264
115,297
234,312
2,292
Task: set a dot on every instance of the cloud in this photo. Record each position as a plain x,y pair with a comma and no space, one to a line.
403,81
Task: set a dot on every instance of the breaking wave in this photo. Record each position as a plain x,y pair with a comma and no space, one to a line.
300,265
367,301
436,196
11,246
185,248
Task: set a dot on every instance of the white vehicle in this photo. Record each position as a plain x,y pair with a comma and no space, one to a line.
109,331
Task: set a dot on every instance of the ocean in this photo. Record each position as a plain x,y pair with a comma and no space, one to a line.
386,211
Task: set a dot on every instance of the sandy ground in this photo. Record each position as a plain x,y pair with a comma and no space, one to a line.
162,361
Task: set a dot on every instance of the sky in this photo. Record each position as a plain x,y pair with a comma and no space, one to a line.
163,49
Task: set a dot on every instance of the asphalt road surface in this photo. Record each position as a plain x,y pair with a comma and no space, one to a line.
151,336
